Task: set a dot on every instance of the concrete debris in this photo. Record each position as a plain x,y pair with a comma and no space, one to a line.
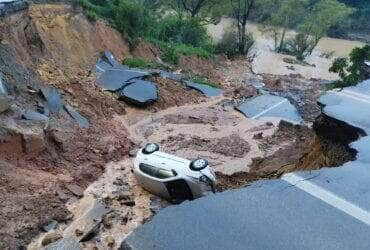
140,92
76,190
50,238
65,244
53,99
205,89
8,7
5,103
270,106
88,224
81,120
50,225
116,79
34,116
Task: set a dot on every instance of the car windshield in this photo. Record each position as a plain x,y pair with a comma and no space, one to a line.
157,172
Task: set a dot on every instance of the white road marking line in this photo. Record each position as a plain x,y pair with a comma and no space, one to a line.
328,197
351,96
100,68
270,108
359,95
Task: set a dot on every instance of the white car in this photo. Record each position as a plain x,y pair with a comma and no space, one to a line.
171,177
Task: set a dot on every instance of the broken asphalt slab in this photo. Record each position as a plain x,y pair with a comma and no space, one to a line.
116,79
207,90
81,120
140,93
322,209
53,99
65,244
270,106
34,116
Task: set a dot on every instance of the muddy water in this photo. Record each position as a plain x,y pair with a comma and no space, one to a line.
268,62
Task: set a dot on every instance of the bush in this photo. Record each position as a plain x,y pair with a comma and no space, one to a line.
132,20
353,71
188,31
229,44
141,63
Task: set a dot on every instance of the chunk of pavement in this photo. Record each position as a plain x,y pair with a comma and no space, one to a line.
75,189
170,75
140,93
207,90
65,244
50,238
108,57
270,106
101,66
50,225
81,120
5,103
53,99
34,116
3,87
116,79
87,225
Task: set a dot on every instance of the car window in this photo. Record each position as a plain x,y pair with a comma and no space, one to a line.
159,173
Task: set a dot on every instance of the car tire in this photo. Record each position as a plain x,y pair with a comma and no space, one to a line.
198,164
150,148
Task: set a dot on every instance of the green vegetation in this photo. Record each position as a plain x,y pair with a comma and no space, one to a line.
354,70
141,63
175,35
311,19
202,80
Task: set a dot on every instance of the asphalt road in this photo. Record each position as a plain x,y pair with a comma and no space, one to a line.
324,209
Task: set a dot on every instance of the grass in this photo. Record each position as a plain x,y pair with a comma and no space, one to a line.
141,63
171,52
202,80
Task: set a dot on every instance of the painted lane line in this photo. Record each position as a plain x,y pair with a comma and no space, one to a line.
269,109
99,68
356,94
352,97
328,197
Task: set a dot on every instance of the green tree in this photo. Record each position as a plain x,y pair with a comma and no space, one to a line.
353,70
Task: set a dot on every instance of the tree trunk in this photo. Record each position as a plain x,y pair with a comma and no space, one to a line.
243,39
281,45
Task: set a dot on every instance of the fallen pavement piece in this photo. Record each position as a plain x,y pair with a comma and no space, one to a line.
109,58
270,106
34,116
85,226
65,244
205,89
140,93
81,120
3,88
50,225
53,99
5,102
170,75
116,79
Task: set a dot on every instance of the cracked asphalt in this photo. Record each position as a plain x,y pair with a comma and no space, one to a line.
322,209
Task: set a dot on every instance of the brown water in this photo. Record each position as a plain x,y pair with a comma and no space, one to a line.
269,62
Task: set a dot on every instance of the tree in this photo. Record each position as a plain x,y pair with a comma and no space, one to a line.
241,10
320,18
288,14
195,8
355,70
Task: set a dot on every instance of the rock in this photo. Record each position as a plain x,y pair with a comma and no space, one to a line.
62,195
65,244
34,141
270,124
75,189
53,99
110,241
52,224
129,203
50,238
258,136
5,103
8,7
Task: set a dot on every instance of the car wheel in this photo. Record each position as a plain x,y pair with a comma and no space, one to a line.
198,164
150,148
